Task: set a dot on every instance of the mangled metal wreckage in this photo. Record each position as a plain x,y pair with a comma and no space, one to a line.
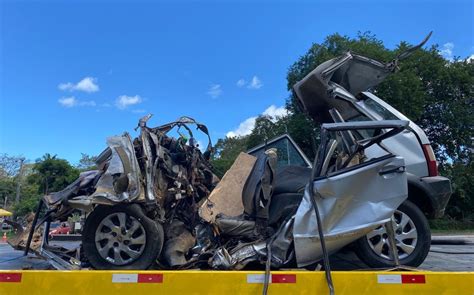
155,202
143,203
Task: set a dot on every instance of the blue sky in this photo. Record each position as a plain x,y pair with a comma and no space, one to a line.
73,73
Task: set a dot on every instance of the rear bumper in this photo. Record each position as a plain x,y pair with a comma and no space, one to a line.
438,189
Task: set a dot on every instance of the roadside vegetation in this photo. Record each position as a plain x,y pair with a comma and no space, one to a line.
436,93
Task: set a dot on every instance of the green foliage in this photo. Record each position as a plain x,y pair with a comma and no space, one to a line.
10,165
12,172
46,175
87,162
226,151
7,190
75,217
461,204
52,174
265,128
449,224
27,204
28,192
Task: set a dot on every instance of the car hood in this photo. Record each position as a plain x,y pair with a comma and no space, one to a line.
337,82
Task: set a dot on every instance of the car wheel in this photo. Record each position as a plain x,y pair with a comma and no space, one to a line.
412,237
121,237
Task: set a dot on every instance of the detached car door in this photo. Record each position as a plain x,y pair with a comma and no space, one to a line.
354,194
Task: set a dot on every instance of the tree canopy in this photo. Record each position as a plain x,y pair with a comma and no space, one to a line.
52,174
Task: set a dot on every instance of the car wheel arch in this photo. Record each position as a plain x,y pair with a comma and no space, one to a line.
419,196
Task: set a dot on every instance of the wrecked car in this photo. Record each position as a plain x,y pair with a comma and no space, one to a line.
339,91
138,199
143,203
155,202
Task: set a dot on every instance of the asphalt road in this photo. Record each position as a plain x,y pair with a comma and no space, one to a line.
443,256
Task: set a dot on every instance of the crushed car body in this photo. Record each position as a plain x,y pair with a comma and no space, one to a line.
134,225
154,201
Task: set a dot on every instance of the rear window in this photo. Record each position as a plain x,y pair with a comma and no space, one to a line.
380,110
376,108
286,151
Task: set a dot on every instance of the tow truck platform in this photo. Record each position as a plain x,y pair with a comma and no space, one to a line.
232,282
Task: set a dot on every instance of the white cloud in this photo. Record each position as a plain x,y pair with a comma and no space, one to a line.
275,112
255,83
69,102
470,58
66,86
88,84
215,91
124,101
246,127
447,50
241,83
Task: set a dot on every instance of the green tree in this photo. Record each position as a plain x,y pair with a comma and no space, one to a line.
52,174
7,191
87,162
9,165
461,204
226,151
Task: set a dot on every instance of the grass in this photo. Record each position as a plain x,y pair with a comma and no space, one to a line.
447,232
452,226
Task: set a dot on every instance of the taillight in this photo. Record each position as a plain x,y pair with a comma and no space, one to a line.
431,160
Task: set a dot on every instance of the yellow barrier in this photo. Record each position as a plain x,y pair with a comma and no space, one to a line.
232,282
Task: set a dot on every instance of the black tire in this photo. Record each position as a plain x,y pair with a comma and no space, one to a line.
423,242
153,232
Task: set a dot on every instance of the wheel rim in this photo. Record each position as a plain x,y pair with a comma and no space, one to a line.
120,238
406,237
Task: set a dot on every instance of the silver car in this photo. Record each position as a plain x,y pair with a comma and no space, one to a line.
338,91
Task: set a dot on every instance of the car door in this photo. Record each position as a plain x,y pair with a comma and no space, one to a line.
354,194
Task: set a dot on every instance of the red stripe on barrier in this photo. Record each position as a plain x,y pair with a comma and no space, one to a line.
413,279
150,278
10,277
282,279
